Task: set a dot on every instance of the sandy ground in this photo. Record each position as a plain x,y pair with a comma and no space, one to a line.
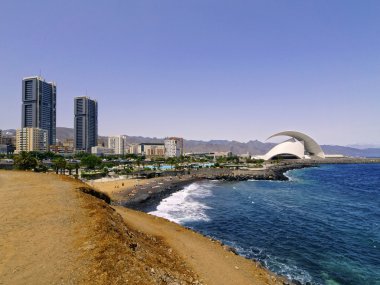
39,230
134,190
214,264
118,186
51,233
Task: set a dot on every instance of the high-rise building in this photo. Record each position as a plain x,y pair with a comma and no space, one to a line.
31,139
1,137
85,123
118,144
39,100
173,147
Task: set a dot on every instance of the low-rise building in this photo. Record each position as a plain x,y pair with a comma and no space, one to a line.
61,149
134,148
100,150
68,143
9,140
3,149
151,149
31,139
223,154
173,147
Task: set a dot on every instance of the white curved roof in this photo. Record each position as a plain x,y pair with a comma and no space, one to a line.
311,145
293,147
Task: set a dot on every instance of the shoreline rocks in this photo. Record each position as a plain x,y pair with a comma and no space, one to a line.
147,198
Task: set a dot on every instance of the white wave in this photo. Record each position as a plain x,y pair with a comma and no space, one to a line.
292,272
287,175
184,206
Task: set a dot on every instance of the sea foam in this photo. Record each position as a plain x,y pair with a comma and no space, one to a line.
185,205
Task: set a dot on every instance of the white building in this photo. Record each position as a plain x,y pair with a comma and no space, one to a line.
299,146
173,147
118,144
31,139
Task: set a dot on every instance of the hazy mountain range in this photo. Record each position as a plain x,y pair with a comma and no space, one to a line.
253,147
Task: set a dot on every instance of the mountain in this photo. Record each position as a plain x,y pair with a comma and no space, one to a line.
253,147
364,146
64,133
350,151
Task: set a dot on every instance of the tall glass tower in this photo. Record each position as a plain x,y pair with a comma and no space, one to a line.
39,105
85,123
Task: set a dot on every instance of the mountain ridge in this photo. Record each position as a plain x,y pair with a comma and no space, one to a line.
254,147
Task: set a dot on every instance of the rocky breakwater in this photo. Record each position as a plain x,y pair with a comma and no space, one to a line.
273,172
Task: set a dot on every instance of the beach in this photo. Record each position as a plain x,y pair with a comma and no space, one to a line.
54,233
140,193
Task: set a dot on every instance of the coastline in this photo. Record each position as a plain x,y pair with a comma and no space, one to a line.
143,194
148,195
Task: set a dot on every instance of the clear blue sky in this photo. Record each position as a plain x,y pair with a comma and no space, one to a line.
201,69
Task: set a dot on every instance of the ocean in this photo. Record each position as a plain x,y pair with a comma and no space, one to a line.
320,227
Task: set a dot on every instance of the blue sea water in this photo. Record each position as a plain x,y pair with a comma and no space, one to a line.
321,227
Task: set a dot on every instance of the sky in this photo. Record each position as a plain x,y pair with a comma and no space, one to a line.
201,69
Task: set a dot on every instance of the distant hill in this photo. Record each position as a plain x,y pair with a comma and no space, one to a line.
64,133
253,147
364,146
350,151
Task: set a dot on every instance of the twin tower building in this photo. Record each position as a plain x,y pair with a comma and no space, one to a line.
39,118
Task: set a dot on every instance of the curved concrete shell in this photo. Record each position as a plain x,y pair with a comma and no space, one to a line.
292,147
310,145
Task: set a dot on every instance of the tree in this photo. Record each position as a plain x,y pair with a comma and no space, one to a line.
25,161
70,168
76,166
59,164
91,161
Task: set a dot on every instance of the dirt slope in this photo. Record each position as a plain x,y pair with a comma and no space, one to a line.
214,264
51,233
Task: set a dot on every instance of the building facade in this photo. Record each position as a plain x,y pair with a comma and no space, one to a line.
60,149
85,123
39,105
118,144
100,150
173,147
151,149
31,139
133,148
1,137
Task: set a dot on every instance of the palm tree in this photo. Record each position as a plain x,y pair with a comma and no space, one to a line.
70,167
76,165
59,164
25,161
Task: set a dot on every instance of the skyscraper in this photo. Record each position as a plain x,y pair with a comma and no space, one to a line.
39,99
85,123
